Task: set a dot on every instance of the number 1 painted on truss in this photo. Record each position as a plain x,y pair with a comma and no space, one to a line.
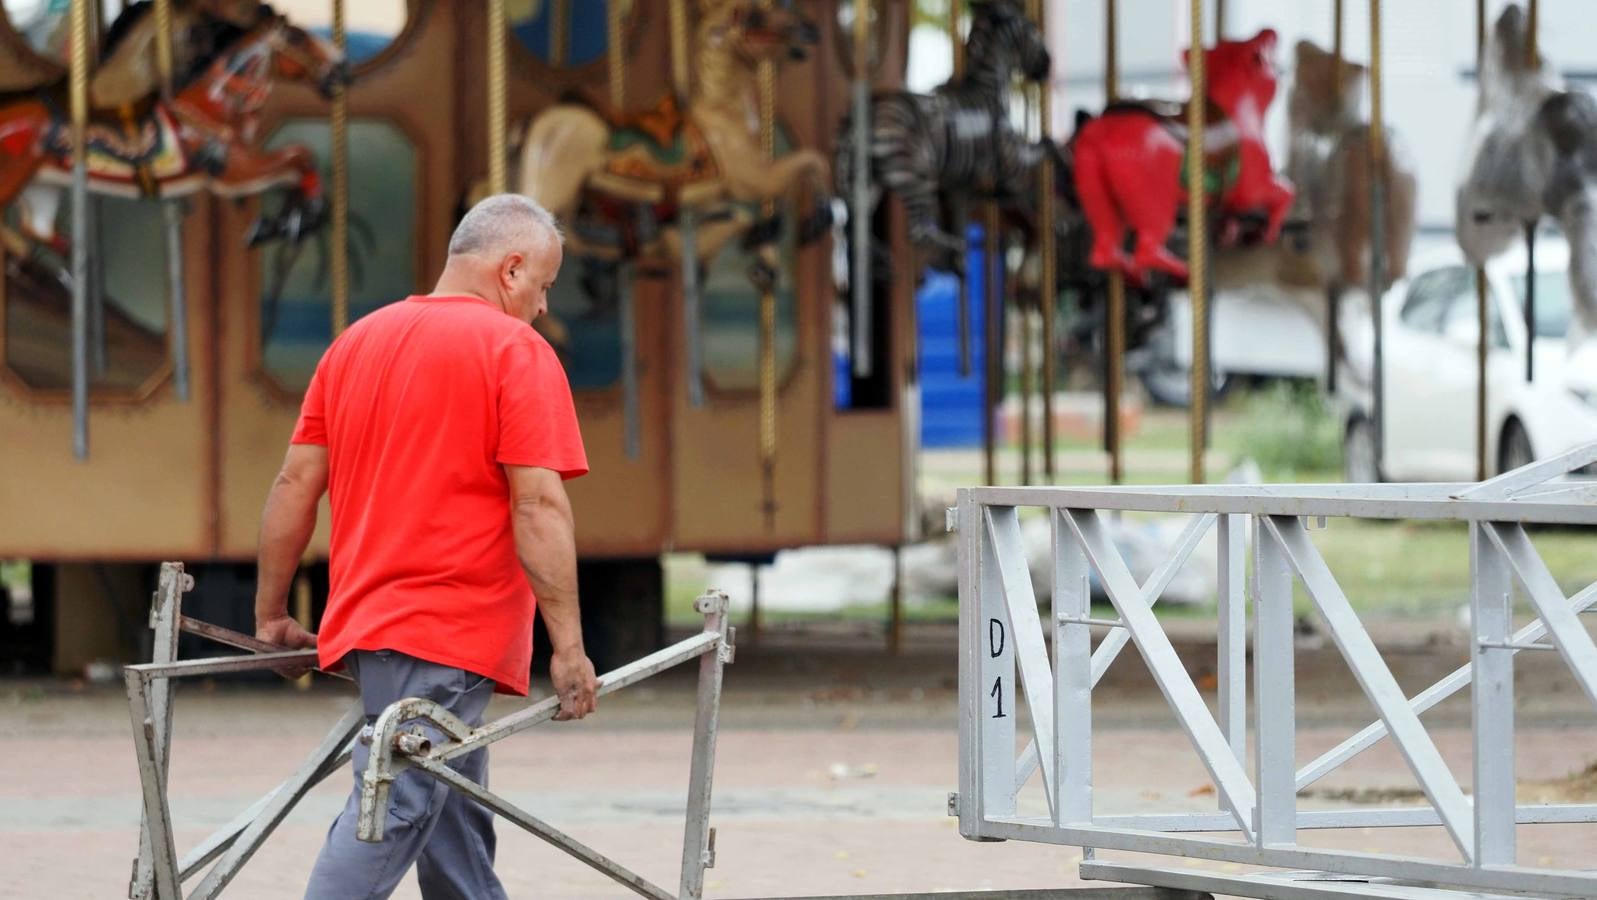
995,649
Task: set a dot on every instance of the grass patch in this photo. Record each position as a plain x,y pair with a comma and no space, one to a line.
1289,429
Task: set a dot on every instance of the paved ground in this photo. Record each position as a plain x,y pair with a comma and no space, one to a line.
834,766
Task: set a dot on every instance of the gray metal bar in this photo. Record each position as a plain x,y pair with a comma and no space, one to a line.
1455,681
1232,664
164,616
224,837
188,668
1114,642
1275,703
968,521
97,339
1311,819
1568,634
1492,707
1031,652
1177,687
1091,622
1509,484
1539,882
1072,599
152,781
996,706
296,787
544,831
631,413
698,838
610,682
238,639
1376,679
693,335
1267,885
177,297
80,303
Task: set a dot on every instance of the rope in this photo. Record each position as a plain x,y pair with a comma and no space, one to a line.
163,43
616,55
1197,281
680,74
767,100
1115,305
340,153
498,135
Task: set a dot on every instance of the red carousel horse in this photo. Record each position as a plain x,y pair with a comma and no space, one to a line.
199,140
1130,162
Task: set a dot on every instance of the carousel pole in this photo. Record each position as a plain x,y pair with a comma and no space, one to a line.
958,212
687,227
1049,289
498,129
1533,58
632,426
172,216
767,353
79,96
1197,257
1115,305
1482,316
559,30
1333,287
339,151
97,340
1377,272
992,322
859,222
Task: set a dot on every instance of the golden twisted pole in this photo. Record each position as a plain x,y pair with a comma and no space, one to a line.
1377,164
79,99
1049,289
340,164
559,31
681,74
498,129
1197,281
1482,470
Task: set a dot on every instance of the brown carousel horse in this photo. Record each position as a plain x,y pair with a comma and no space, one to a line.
199,140
623,184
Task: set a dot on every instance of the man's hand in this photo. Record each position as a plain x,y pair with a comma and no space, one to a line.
286,633
575,684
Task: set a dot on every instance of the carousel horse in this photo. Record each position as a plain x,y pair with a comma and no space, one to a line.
930,148
199,140
623,183
1532,152
1130,162
1328,161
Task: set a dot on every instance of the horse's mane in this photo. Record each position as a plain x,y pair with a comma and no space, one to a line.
212,37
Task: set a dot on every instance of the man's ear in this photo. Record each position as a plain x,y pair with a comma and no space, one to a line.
510,265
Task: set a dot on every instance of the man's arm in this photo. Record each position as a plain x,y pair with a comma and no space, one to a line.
286,527
546,544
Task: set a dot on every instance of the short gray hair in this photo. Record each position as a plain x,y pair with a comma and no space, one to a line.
500,224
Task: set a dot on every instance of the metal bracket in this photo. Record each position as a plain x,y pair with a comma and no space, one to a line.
709,851
953,803
951,519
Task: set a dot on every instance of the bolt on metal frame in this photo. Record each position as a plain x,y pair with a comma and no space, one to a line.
159,872
1002,634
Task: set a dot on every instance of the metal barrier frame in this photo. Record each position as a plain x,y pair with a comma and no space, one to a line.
159,873
1001,631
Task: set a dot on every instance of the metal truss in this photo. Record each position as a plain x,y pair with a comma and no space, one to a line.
159,873
1003,640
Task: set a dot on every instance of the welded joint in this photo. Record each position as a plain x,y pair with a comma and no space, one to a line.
378,779
951,519
711,603
953,804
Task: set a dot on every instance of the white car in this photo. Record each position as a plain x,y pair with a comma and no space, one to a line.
1430,351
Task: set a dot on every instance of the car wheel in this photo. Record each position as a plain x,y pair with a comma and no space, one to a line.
1171,385
1359,463
1514,449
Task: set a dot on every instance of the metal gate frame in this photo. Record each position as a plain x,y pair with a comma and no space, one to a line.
1001,630
159,873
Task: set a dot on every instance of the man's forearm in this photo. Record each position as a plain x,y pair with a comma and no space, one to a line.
286,528
546,545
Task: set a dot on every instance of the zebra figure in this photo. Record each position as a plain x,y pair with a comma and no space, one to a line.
931,149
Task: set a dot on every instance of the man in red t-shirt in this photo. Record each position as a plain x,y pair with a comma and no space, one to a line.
442,429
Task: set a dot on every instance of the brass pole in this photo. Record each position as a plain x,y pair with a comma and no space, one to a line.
559,31
615,54
1115,303
1334,285
1377,273
1197,282
956,38
498,128
993,355
340,160
172,215
1337,52
860,189
680,73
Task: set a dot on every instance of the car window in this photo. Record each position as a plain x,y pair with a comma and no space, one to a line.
1461,314
1429,296
1552,302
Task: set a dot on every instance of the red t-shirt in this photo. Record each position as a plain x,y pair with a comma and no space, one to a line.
420,404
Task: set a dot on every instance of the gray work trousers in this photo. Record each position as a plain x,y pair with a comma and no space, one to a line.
448,836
